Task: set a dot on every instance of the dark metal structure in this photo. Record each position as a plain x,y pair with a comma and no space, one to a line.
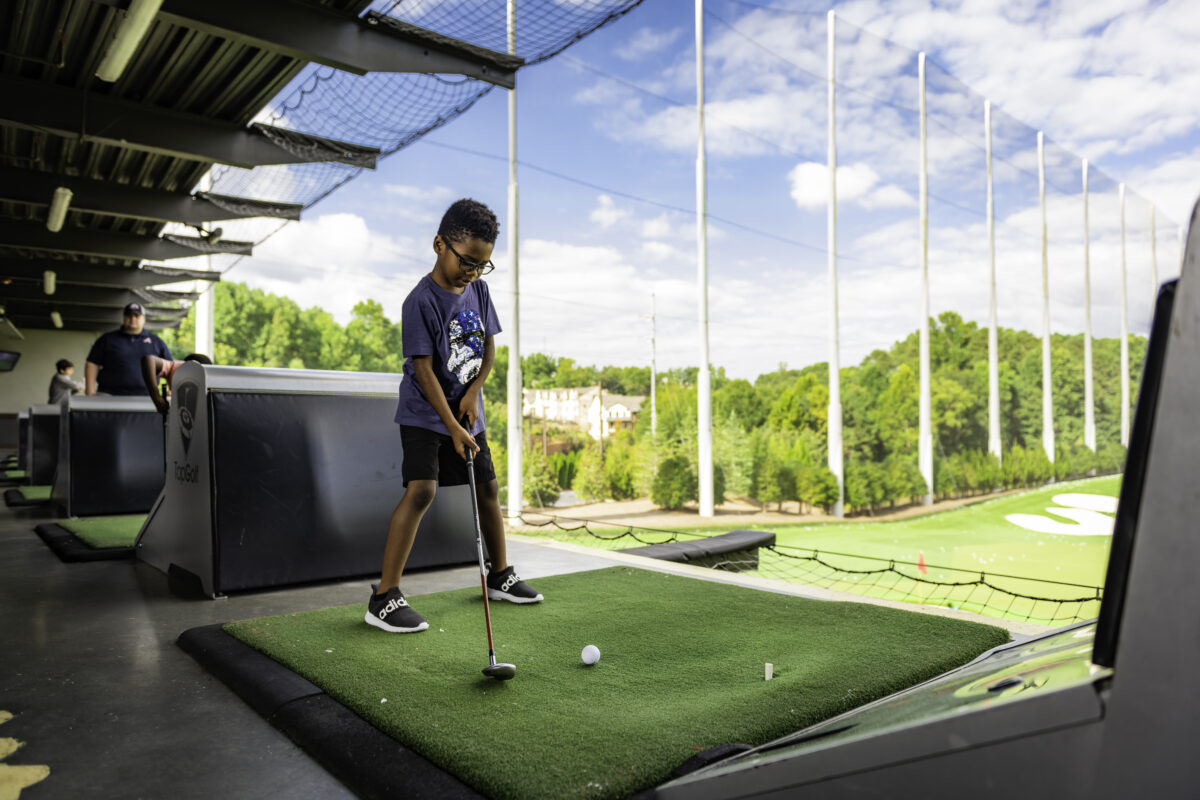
132,152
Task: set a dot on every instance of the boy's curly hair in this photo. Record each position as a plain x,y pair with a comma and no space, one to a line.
466,219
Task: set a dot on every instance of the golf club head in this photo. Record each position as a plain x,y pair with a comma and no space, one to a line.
501,672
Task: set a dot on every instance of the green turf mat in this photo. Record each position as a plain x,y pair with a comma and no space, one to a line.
13,474
102,532
38,493
681,670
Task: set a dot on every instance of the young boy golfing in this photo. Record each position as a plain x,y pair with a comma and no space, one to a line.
448,325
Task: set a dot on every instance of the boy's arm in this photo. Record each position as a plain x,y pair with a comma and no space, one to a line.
150,378
469,405
423,370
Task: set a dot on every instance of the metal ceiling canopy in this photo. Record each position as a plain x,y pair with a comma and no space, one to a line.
373,43
36,188
79,273
103,244
90,117
133,151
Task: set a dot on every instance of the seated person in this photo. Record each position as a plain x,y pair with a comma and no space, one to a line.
155,369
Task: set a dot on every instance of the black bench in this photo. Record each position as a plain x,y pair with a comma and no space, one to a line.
736,551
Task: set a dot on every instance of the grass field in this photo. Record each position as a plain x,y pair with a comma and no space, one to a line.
681,670
956,546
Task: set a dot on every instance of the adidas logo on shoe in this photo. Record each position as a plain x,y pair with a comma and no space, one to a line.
505,585
392,613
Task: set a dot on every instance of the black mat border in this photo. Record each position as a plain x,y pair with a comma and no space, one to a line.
69,547
370,763
14,499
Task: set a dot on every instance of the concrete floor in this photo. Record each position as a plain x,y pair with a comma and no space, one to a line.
102,696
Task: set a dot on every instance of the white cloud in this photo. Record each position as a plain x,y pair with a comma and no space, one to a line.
422,193
856,183
606,213
646,42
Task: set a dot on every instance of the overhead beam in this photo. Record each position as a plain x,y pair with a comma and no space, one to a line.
78,114
82,274
104,244
42,322
96,275
121,200
374,43
113,313
85,295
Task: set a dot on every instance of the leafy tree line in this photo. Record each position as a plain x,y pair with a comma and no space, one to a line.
769,435
253,328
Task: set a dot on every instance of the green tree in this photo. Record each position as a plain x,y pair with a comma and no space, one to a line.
541,488
591,483
675,484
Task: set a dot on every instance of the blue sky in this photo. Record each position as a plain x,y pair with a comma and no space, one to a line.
1104,79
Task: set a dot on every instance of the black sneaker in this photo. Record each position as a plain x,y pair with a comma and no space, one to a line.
505,585
392,613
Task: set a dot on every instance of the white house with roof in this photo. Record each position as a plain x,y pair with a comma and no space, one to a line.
588,408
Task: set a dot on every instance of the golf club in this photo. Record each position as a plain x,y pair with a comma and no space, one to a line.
500,672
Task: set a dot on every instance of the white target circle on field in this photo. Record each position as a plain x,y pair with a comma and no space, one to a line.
1086,515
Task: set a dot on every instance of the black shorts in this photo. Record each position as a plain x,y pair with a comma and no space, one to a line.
430,456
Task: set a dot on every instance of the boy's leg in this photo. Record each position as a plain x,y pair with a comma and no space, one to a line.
491,522
402,531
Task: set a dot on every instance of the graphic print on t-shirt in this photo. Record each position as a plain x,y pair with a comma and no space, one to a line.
466,345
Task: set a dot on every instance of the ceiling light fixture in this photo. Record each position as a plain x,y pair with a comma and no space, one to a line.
130,33
49,281
58,209
56,318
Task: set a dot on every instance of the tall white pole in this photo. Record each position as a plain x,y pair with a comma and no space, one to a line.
1089,401
703,379
834,426
1153,256
516,438
653,369
1124,333
994,444
1047,389
925,430
204,334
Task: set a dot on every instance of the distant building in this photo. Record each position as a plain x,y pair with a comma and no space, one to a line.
581,408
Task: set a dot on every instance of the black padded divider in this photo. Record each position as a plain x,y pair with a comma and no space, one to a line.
43,448
309,492
371,763
116,462
736,550
68,547
14,499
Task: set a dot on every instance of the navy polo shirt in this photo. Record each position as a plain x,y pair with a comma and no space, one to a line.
119,356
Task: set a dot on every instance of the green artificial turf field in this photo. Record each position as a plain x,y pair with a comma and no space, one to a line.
104,532
13,474
681,670
39,493
956,545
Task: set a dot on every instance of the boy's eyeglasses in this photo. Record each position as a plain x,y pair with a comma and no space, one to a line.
467,265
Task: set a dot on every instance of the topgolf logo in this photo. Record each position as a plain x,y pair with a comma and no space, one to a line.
185,396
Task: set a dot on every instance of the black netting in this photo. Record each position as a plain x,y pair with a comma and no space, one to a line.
1034,600
388,111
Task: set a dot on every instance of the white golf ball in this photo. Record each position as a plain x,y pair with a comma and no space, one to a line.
590,654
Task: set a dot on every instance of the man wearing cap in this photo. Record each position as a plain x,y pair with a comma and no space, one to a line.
114,365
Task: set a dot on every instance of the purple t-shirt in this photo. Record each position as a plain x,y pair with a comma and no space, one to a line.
452,328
